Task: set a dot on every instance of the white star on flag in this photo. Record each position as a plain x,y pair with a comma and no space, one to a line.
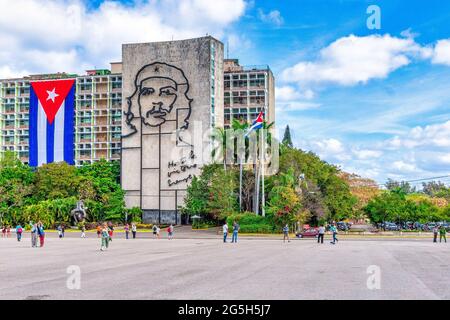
52,95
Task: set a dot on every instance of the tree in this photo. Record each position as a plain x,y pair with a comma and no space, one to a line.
403,185
287,140
222,199
388,206
56,180
434,188
362,189
99,183
15,185
196,200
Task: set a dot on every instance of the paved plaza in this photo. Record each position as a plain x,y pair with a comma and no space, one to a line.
209,269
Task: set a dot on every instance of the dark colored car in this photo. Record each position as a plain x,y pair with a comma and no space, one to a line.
343,226
308,233
390,226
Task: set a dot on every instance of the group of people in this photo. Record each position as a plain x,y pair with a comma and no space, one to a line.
133,230
442,233
6,231
157,231
36,230
236,229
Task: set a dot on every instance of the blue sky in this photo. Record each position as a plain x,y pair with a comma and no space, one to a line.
375,102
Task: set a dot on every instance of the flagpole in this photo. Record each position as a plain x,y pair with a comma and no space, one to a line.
240,184
263,197
257,175
256,179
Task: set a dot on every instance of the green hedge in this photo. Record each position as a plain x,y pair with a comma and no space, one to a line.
251,223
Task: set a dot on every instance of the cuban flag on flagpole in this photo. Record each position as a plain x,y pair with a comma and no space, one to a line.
52,105
257,123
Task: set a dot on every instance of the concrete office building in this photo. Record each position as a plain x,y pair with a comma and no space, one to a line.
172,96
248,91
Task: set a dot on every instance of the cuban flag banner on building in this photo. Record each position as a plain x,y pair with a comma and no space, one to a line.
257,123
52,105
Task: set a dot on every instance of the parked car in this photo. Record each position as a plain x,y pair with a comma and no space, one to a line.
308,233
390,226
343,226
430,226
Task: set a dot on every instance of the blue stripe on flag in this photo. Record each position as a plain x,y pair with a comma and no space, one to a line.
33,134
50,142
69,127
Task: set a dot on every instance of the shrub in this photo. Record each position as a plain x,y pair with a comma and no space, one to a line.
257,228
251,223
143,226
246,218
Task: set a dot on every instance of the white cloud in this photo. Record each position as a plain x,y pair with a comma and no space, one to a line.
289,98
328,149
63,35
353,60
297,106
289,93
366,154
442,52
437,135
273,16
404,167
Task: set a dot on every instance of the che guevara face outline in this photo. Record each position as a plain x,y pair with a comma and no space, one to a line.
158,88
157,96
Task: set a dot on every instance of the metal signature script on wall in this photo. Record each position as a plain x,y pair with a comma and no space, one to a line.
182,166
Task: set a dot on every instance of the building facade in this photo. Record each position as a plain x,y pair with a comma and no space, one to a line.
247,92
172,97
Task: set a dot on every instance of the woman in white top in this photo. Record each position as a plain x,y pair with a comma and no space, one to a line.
133,230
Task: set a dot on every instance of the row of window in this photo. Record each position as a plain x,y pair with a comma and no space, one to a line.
244,76
244,83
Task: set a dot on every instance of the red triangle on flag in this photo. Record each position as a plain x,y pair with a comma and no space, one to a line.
51,95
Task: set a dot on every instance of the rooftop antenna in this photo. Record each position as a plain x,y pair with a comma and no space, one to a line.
228,49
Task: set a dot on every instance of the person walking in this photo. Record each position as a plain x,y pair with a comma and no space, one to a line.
158,230
170,232
334,231
59,231
34,235
83,231
126,228
111,230
236,228
133,230
286,233
4,231
99,231
63,230
154,229
41,233
8,231
225,232
19,231
321,234
435,233
442,234
105,237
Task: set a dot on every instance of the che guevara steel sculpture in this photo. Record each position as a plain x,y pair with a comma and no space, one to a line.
159,90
